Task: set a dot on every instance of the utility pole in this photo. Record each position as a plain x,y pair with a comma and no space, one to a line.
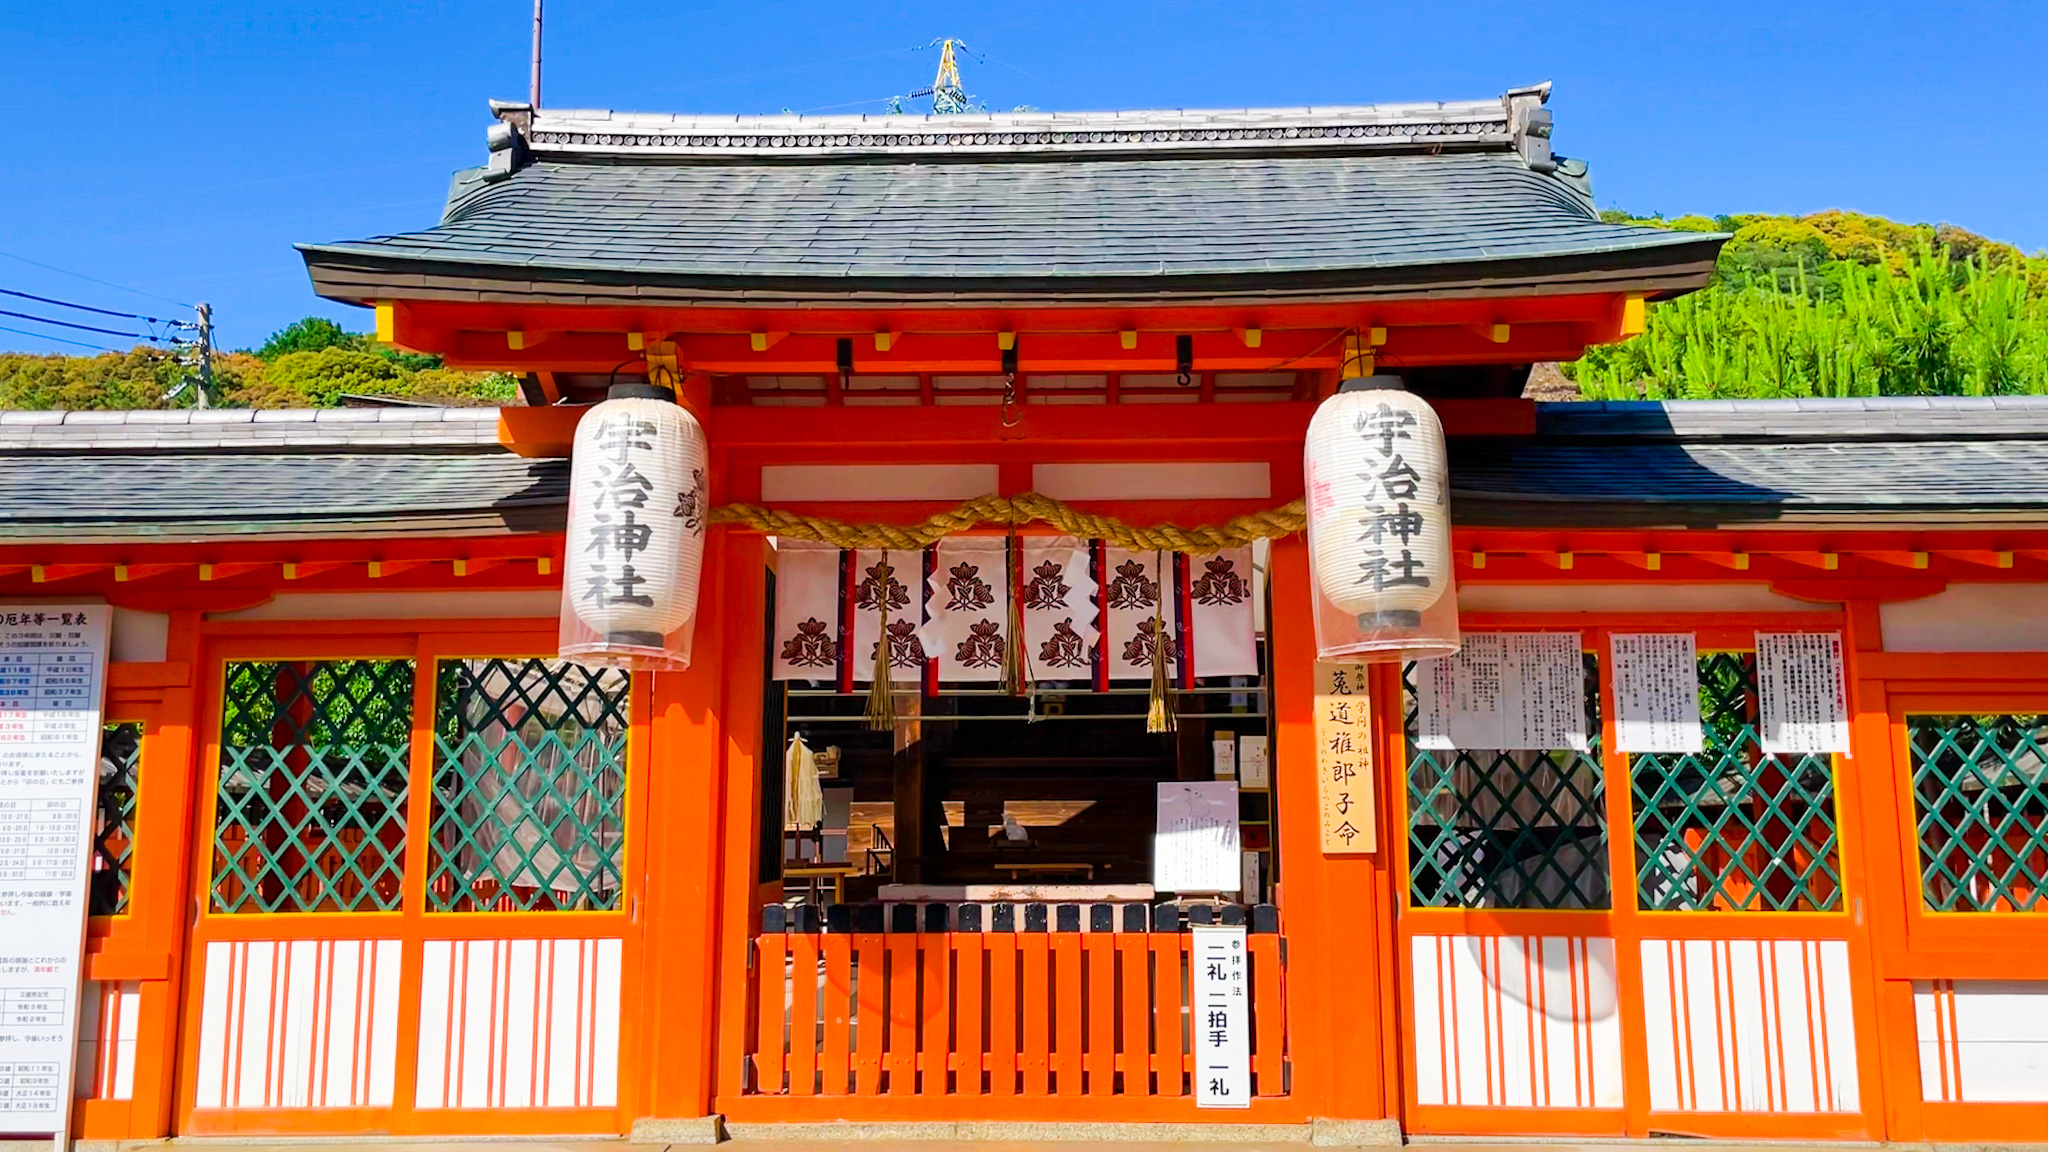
533,85
205,397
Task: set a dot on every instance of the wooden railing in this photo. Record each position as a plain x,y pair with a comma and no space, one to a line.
904,999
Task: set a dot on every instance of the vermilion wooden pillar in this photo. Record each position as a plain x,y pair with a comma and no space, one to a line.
685,851
148,943
743,575
1333,908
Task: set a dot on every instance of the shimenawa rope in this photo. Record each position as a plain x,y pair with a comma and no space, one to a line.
1030,507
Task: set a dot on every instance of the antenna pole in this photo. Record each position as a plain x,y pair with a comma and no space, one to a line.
533,85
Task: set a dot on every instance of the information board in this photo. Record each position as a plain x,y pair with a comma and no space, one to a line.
1803,704
1656,692
52,663
1222,1021
1515,691
1344,788
1196,847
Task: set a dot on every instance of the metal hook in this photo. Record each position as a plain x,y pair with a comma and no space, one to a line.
1011,416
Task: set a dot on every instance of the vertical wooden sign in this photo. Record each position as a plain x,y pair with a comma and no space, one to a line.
1344,778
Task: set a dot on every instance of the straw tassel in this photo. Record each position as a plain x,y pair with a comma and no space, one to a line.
1159,715
881,692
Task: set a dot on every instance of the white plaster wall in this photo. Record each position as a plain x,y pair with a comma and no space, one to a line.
1219,481
1629,598
1970,618
141,636
786,482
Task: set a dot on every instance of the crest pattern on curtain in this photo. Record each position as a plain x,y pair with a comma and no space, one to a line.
948,609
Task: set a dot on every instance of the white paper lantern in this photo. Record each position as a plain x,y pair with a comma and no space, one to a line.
635,547
1379,525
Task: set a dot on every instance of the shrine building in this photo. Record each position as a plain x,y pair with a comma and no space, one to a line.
1729,818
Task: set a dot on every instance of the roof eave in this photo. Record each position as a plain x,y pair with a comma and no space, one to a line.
1668,266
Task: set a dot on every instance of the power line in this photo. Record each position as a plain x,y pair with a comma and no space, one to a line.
80,327
95,280
57,339
90,308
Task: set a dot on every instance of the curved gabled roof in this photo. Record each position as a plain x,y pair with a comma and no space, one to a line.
582,207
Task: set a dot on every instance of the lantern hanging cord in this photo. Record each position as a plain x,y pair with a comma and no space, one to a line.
1029,507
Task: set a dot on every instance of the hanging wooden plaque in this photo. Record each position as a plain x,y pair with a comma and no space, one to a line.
1344,776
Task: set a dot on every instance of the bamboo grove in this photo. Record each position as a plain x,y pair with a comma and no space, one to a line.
1921,314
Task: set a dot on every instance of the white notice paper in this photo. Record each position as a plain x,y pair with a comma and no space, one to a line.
1222,982
1804,704
1196,848
52,662
1509,691
1656,693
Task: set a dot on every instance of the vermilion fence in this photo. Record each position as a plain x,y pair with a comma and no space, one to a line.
919,1000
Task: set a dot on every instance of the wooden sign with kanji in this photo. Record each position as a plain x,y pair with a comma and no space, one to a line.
1344,799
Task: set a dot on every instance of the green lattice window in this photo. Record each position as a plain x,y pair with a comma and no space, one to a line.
309,814
1729,828
1980,791
113,838
529,786
1507,829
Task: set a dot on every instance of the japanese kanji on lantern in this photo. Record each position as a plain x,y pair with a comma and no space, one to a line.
635,548
1379,525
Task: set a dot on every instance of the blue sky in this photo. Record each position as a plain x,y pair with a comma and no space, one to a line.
181,150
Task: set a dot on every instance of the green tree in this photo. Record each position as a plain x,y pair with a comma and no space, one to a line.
312,362
310,334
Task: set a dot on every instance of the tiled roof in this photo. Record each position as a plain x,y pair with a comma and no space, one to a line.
1905,418
1708,462
587,207
1006,220
246,430
115,496
226,473
1930,462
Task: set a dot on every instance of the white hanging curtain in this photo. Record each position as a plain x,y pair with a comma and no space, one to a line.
1141,595
806,611
959,617
894,575
1058,609
968,600
1220,610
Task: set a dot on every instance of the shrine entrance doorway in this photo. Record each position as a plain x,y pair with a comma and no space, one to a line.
998,939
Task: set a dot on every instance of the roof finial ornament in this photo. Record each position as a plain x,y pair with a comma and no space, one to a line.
1529,124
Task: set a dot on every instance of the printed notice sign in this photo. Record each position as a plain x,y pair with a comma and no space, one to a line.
1804,703
52,662
1254,768
1222,989
1196,848
1344,797
1657,693
1504,691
